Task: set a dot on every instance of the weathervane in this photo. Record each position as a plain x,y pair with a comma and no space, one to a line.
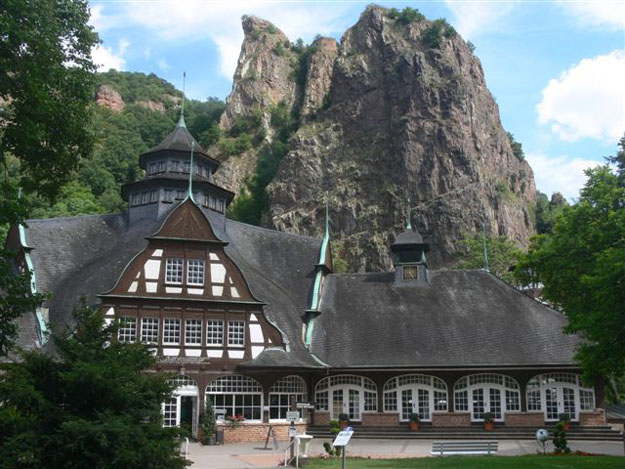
181,122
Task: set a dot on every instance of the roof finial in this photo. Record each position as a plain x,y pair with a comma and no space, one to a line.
181,122
486,268
408,224
190,194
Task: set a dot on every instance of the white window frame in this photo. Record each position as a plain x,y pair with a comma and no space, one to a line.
167,324
196,327
196,271
540,383
238,389
218,324
236,326
465,385
174,265
368,393
291,387
127,331
147,329
433,384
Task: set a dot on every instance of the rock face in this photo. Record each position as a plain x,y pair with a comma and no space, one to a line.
108,97
390,124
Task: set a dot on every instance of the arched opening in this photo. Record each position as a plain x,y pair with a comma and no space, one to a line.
487,393
283,396
236,395
182,409
419,394
559,393
346,394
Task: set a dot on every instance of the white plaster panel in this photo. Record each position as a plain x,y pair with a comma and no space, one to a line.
214,353
192,353
256,333
111,311
195,291
173,289
218,273
152,268
171,352
157,253
234,292
108,321
253,318
213,256
150,287
138,274
218,291
238,354
133,287
256,350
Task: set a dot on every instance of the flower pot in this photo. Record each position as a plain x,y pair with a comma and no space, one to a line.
414,426
489,425
566,426
343,424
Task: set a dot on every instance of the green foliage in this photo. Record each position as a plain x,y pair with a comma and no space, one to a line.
407,15
559,440
471,47
92,405
547,211
279,49
45,123
434,33
208,421
503,255
74,199
581,265
339,262
517,148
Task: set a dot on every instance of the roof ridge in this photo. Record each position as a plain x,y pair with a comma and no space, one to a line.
73,217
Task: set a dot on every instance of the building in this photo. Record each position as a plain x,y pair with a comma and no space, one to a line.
256,319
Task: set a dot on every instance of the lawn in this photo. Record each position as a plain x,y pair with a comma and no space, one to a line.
481,462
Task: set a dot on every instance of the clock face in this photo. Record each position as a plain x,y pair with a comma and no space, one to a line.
410,272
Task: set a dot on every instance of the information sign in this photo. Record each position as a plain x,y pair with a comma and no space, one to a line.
342,438
292,415
304,405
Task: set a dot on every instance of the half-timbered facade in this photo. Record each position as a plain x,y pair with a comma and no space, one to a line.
257,321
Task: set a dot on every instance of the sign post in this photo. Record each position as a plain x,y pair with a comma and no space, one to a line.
342,439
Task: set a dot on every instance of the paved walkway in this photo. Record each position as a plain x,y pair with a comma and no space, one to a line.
246,455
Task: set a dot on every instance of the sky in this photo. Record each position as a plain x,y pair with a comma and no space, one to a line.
556,68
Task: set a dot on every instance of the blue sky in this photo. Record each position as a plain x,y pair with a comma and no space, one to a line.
556,68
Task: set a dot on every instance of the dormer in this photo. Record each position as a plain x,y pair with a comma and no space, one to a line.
409,257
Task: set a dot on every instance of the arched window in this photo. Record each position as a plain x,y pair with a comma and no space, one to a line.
487,393
284,392
346,394
182,408
559,393
236,395
419,394
185,386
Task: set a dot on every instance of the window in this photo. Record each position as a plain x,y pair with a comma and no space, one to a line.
213,202
366,389
221,205
195,272
410,272
169,196
214,332
555,393
236,395
136,199
487,392
427,392
173,272
193,332
170,412
205,201
152,168
145,197
161,166
127,331
154,196
179,195
186,166
236,333
171,331
285,392
175,166
149,330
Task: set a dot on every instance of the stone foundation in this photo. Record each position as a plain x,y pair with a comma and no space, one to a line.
452,419
380,420
250,432
524,419
592,418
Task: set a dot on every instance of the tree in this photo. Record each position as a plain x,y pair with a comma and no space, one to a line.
581,265
547,211
503,255
92,406
46,78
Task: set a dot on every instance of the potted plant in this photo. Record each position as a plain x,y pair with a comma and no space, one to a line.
208,423
414,422
489,421
566,421
343,421
235,420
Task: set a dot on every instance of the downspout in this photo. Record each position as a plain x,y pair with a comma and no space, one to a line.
41,320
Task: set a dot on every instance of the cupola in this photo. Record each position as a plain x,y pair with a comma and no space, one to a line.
409,258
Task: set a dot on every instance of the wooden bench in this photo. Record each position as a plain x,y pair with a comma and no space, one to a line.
447,448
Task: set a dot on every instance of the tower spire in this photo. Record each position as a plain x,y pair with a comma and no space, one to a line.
327,230
190,194
408,224
181,122
486,267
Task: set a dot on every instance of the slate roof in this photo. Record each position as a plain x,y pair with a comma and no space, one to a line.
616,412
461,318
408,237
84,256
179,139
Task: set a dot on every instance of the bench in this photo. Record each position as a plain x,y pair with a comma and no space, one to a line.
447,448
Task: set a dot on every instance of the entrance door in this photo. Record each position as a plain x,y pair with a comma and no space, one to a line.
486,400
559,400
416,401
347,401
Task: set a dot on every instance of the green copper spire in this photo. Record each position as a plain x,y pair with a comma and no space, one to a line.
181,122
408,224
327,232
191,169
486,267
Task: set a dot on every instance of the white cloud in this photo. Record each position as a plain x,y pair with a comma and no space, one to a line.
163,65
587,100
105,58
595,13
559,174
476,17
221,21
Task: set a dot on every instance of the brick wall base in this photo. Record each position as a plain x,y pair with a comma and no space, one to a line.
380,420
452,419
525,419
251,432
321,418
592,418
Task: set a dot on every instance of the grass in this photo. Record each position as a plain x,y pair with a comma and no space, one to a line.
481,462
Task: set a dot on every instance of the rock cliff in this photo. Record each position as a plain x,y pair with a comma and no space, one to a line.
396,119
